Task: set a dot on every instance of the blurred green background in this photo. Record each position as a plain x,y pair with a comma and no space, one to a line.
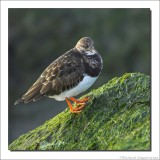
39,36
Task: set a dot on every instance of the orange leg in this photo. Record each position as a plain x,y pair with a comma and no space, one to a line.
79,108
78,102
71,107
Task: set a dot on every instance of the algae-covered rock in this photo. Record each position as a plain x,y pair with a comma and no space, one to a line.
117,117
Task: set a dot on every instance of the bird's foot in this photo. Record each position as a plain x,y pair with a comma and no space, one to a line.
80,104
79,107
79,101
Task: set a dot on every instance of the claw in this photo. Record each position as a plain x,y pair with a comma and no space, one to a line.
79,101
79,108
80,104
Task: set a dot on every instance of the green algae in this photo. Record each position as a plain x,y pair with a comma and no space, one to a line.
117,117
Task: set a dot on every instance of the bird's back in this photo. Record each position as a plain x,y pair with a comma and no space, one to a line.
62,74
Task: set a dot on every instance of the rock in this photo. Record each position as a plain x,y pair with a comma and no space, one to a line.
117,117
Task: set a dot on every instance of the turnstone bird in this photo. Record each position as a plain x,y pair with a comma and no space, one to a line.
69,75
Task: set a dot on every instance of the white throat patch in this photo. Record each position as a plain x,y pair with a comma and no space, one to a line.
91,52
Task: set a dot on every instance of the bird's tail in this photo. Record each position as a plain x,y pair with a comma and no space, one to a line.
20,100
33,94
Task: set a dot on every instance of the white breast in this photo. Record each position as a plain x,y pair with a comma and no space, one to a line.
81,87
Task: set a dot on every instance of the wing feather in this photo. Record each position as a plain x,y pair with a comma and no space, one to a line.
60,75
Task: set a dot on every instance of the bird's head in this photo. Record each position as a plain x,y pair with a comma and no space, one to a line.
86,45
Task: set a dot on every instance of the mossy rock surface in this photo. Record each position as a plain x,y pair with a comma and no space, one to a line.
117,117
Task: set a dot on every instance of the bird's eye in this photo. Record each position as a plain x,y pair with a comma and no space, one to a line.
85,46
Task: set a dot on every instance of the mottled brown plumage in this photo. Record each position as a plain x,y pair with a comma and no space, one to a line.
66,72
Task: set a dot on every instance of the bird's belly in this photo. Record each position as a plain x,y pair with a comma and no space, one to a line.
81,87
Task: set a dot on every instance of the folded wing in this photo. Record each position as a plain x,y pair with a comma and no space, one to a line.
62,74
